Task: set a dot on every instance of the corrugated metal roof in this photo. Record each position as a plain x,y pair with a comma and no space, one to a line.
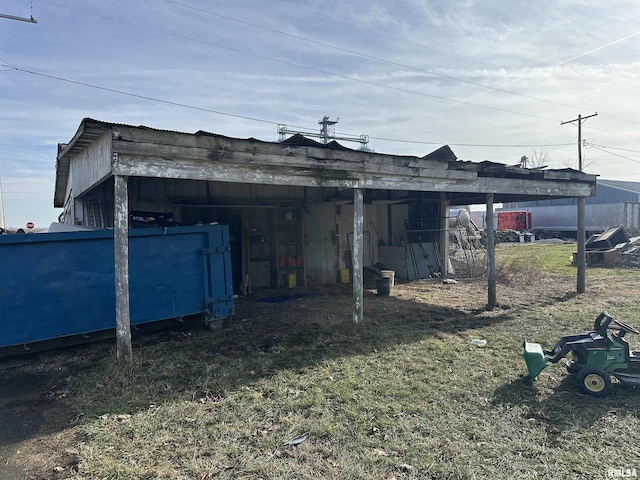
90,130
443,153
628,186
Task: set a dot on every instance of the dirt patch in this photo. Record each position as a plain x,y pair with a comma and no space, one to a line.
34,420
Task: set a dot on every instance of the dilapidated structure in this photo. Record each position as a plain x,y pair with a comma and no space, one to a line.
300,212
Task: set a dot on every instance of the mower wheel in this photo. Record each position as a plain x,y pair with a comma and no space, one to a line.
594,381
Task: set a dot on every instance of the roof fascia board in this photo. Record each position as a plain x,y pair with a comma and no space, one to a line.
284,158
160,167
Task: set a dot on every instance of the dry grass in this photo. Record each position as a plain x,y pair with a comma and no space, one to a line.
403,395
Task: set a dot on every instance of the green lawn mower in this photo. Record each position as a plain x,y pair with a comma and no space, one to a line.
596,356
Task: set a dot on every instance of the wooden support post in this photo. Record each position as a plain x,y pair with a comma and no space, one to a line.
358,254
121,254
444,235
581,260
491,254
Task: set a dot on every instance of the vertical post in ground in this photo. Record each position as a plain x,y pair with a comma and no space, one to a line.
491,254
444,235
121,268
358,254
581,260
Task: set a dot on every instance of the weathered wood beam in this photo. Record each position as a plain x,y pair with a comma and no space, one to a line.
517,186
121,267
491,254
220,145
287,158
358,254
300,157
151,166
275,175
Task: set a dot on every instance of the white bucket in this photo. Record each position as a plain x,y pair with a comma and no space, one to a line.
389,274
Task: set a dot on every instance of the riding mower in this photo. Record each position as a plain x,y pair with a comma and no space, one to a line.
596,356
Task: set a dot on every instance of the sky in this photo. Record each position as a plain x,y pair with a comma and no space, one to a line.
492,79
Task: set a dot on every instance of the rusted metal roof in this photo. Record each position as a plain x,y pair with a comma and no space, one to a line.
90,130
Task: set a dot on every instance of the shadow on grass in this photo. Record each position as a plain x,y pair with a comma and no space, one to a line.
261,340
565,408
560,298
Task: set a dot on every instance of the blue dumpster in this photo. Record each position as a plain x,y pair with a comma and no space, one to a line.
62,284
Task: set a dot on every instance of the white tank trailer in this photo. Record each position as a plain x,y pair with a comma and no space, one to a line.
562,220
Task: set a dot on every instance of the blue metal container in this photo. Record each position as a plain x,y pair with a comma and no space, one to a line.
61,284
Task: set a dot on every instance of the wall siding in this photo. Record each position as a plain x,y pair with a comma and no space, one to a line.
321,244
91,166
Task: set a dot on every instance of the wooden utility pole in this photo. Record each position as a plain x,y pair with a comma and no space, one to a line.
581,260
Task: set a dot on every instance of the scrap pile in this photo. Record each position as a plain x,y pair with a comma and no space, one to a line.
630,258
612,248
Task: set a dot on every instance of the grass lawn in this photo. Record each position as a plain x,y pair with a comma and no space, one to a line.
550,258
403,395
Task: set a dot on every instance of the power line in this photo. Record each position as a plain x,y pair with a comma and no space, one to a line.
563,62
609,131
417,69
474,144
255,119
143,97
615,154
306,67
346,77
614,148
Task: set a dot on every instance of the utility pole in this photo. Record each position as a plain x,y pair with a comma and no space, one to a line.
581,260
580,121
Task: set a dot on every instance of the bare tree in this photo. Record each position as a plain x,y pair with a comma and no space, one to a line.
538,159
587,163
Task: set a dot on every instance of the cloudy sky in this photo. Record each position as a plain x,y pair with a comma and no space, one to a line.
493,79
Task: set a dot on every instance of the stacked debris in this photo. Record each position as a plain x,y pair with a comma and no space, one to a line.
612,248
630,258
